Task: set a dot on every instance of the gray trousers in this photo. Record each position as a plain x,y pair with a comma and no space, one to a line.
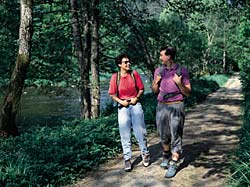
170,122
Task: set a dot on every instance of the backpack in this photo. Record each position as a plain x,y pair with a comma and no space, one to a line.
169,95
118,77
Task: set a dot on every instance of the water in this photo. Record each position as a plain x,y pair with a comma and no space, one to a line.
38,108
51,109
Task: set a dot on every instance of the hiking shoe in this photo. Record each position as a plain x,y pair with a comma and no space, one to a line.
146,159
128,166
165,163
166,158
171,169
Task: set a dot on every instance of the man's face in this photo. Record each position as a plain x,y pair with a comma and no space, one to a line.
164,58
125,65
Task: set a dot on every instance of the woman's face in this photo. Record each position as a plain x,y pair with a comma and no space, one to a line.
125,65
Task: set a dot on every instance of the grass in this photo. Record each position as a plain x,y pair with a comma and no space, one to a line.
241,166
220,79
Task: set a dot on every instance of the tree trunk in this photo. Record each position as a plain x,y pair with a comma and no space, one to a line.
83,64
95,108
224,50
205,60
210,38
12,100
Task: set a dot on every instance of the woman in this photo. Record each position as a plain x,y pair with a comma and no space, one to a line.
126,87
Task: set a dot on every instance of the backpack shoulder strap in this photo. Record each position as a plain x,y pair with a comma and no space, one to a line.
118,77
179,70
161,68
132,75
134,79
160,73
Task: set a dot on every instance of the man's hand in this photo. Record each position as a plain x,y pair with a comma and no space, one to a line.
157,80
177,79
185,89
155,85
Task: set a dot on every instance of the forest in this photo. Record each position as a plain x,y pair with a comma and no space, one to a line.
56,45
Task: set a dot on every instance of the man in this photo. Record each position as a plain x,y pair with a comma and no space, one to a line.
126,87
171,89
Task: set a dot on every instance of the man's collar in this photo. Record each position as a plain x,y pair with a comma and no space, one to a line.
175,66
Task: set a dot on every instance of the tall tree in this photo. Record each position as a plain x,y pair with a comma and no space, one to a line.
12,100
82,53
95,108
87,51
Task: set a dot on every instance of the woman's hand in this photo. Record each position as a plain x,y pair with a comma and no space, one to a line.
124,103
133,101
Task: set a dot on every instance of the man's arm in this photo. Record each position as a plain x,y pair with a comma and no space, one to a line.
186,90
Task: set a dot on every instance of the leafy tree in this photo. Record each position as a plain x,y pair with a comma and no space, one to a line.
9,14
52,60
14,92
131,26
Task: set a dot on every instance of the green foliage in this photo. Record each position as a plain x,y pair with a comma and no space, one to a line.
149,102
9,17
220,79
241,166
52,50
244,40
56,156
202,87
123,27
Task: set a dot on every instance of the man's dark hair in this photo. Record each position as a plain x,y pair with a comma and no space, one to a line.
119,58
169,51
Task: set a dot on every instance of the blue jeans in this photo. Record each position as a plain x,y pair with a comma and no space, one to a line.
132,117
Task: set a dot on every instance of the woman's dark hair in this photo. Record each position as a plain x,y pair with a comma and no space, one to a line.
169,51
119,58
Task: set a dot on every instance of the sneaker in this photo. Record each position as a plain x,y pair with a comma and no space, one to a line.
165,163
128,166
171,169
146,160
166,158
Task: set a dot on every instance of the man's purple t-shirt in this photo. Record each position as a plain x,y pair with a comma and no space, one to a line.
167,84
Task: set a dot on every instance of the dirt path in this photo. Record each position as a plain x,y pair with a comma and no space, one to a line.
210,135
